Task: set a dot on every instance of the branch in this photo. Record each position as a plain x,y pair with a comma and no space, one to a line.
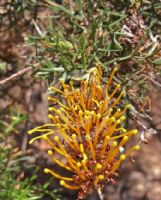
100,194
13,76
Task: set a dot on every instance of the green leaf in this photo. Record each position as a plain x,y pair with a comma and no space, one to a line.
157,61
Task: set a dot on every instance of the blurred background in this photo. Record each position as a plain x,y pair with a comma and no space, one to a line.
44,41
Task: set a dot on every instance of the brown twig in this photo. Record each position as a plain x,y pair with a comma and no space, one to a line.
50,3
13,76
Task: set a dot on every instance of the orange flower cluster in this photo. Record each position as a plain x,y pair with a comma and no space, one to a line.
87,132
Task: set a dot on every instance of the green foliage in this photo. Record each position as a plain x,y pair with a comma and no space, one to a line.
14,164
80,34
7,127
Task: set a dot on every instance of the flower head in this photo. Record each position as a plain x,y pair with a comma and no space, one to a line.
86,130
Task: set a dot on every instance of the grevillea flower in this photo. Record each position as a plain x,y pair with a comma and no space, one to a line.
86,131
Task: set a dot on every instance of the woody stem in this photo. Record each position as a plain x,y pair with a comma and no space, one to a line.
100,194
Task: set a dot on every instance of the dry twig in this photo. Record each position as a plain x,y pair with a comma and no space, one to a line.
15,75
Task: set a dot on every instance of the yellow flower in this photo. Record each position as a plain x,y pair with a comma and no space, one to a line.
86,131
